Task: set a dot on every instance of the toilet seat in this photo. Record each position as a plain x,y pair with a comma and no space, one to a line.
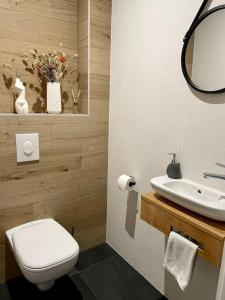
43,245
44,251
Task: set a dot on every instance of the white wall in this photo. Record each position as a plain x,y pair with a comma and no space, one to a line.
153,112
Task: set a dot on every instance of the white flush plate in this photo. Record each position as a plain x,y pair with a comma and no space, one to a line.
27,147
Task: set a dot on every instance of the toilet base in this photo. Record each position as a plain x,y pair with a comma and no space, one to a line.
45,286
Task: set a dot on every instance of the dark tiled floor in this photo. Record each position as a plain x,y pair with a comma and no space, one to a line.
101,274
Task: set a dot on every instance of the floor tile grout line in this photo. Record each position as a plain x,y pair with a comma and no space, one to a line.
90,288
76,271
116,254
87,286
99,262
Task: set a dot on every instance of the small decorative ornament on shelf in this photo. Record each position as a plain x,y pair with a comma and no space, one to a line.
76,92
21,104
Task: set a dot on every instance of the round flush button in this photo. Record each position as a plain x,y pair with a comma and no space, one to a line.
28,148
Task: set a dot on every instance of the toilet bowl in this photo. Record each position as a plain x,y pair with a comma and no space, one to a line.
44,251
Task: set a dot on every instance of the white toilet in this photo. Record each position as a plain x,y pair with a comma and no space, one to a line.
44,251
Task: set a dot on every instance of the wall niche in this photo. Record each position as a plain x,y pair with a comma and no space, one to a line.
45,26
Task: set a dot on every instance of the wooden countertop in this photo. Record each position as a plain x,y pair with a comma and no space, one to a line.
209,226
167,216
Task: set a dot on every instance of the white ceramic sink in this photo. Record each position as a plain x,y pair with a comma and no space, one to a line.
201,199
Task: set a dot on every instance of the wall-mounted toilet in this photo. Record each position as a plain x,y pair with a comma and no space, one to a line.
44,251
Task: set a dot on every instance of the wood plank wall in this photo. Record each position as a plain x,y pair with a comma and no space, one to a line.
83,54
69,182
44,25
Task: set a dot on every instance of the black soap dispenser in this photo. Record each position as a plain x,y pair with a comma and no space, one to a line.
173,169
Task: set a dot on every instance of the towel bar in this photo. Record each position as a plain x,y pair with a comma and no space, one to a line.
188,237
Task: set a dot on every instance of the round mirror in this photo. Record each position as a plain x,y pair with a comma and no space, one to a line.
203,55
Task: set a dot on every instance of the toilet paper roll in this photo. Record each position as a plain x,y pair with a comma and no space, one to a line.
126,183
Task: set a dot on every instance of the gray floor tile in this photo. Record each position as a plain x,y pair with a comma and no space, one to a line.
115,279
65,288
83,288
93,256
4,293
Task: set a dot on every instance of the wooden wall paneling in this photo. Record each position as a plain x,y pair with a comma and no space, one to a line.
83,45
58,9
43,25
91,238
69,182
52,32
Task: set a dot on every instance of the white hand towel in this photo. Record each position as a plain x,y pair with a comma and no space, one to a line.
179,258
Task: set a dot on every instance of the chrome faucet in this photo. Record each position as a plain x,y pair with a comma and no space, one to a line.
214,175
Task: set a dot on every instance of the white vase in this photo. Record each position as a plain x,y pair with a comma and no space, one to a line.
54,102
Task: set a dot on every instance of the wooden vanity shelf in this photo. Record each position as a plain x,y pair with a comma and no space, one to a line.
166,216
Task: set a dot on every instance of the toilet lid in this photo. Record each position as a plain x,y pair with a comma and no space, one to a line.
44,244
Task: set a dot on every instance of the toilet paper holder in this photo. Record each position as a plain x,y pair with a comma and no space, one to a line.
132,183
126,182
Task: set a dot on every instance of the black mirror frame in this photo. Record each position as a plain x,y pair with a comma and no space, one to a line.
186,40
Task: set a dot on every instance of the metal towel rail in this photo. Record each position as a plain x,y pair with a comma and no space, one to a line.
188,237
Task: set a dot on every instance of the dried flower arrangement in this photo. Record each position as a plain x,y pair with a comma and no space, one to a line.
52,66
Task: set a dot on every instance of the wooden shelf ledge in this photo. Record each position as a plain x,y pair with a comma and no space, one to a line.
42,114
165,215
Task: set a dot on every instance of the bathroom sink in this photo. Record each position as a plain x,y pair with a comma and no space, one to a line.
201,199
